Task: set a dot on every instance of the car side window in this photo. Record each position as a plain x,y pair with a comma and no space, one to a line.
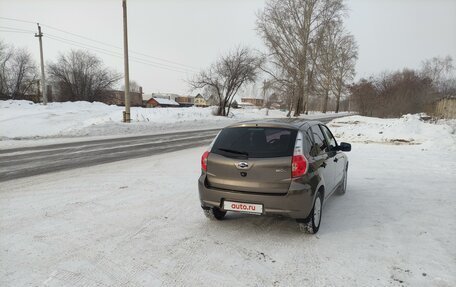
308,141
319,145
329,137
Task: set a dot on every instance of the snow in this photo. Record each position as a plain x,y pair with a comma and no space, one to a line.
22,121
139,223
408,129
246,104
166,101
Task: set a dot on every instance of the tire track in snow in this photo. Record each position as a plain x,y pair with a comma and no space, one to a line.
29,164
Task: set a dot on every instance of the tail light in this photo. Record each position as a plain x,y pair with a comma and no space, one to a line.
299,162
298,165
206,154
204,160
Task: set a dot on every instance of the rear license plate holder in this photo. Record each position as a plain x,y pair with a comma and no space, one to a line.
244,207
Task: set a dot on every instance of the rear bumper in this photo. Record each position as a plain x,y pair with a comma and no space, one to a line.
297,203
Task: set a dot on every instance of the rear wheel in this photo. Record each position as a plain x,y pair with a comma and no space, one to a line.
312,223
214,213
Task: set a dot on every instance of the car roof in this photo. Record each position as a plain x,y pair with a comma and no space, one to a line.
289,123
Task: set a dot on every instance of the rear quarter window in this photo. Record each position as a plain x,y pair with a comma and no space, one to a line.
307,141
319,143
255,142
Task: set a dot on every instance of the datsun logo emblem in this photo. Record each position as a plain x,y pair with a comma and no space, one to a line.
242,165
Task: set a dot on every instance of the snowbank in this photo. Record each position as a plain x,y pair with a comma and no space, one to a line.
408,129
26,120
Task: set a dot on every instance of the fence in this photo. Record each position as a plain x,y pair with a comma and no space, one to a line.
445,108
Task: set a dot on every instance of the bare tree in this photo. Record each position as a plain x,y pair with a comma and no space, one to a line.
437,69
23,74
80,75
441,72
227,75
393,94
364,96
5,55
291,30
17,72
280,82
134,87
325,62
347,54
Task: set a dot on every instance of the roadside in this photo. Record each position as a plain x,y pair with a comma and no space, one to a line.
407,130
23,123
22,161
133,223
27,161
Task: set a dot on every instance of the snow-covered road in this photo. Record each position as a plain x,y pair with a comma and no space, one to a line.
39,159
28,161
138,223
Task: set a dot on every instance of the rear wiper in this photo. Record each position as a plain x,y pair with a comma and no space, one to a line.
234,151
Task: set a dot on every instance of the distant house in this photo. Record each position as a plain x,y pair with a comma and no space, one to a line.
184,101
161,103
253,101
168,96
246,105
117,97
200,101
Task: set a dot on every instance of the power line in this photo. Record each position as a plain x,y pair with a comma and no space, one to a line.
114,52
109,53
18,32
100,50
83,45
17,20
17,29
143,60
117,47
183,66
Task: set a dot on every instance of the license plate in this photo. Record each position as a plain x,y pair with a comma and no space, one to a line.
243,207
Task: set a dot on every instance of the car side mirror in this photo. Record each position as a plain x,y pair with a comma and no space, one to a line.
344,147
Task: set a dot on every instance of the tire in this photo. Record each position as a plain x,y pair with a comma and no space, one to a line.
343,187
214,213
312,223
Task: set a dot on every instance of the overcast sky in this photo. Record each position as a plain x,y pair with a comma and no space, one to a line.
186,35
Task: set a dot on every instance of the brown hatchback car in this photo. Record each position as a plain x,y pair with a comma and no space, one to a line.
285,167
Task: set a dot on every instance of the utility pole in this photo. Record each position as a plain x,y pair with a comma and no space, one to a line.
126,115
43,81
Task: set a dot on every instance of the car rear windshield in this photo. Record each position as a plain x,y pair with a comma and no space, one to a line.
255,142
